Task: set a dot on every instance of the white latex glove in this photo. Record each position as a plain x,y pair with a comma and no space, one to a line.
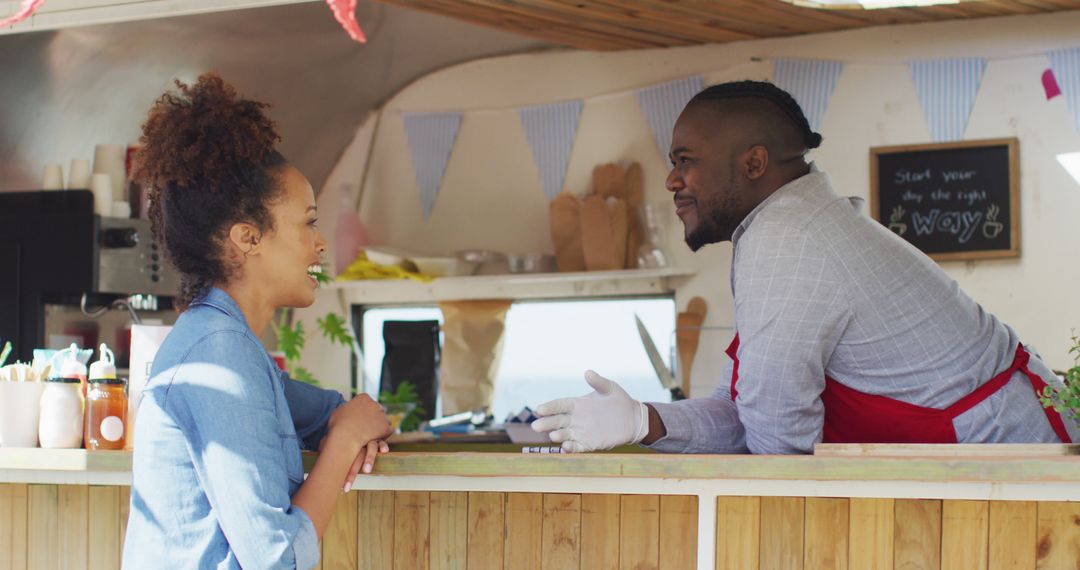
601,420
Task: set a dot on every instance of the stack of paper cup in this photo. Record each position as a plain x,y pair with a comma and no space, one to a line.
102,187
53,177
79,175
109,159
19,409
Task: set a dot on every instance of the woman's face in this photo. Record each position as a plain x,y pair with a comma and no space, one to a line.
292,249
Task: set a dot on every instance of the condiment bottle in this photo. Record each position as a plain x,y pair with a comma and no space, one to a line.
72,368
106,404
60,423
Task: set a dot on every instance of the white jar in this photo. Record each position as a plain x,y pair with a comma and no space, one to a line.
61,421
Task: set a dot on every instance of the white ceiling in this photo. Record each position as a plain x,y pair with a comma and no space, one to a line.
62,92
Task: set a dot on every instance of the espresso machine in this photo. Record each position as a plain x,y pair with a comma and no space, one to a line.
67,274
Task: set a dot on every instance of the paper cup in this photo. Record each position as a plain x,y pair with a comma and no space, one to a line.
53,177
79,174
109,159
19,413
101,186
121,210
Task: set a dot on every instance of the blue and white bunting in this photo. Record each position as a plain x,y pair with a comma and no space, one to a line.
662,105
947,90
431,138
811,82
550,131
1066,66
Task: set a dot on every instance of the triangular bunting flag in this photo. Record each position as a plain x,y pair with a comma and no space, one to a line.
811,82
1066,66
662,105
946,90
431,138
550,130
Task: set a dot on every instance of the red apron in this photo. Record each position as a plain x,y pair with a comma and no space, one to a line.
852,416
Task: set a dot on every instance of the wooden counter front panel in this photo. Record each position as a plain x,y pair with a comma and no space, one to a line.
526,531
62,526
795,533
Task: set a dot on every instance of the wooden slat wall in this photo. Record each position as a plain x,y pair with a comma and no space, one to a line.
631,24
738,532
782,532
449,530
872,533
899,534
72,538
917,534
104,534
552,531
964,529
73,526
826,534
600,531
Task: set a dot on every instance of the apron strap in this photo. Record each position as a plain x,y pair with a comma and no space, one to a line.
1019,364
733,353
1055,418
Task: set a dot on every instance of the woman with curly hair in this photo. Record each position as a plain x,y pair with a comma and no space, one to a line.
217,478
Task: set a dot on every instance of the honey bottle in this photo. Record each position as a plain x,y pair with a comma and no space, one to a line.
106,404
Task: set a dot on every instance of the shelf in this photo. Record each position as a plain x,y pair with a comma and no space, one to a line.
587,284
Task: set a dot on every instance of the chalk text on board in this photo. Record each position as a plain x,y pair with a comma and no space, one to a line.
953,175
962,223
904,175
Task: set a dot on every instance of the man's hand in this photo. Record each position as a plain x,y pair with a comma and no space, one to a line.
601,420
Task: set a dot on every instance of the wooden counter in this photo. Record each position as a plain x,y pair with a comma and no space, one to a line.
509,510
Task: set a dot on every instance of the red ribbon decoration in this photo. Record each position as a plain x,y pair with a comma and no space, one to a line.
1050,84
345,14
26,10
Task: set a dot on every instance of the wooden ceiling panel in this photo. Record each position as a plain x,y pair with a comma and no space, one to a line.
638,24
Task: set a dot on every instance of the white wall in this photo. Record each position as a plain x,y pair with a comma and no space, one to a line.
491,196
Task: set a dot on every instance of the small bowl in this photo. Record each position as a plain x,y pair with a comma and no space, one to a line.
487,262
531,263
384,256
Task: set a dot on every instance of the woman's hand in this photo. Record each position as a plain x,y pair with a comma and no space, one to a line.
362,419
365,460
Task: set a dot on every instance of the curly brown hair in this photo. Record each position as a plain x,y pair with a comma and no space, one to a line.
208,161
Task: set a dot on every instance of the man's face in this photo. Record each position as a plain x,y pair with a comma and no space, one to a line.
710,195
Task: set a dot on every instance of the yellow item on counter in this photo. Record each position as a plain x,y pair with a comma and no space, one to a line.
363,268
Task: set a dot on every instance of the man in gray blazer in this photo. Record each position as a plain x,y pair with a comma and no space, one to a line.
845,332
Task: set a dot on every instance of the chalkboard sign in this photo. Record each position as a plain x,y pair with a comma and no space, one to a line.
953,200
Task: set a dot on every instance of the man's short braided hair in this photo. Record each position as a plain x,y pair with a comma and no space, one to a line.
764,90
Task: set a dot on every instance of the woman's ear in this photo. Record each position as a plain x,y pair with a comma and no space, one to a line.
245,238
756,162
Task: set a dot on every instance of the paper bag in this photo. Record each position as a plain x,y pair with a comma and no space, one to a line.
472,345
566,232
145,341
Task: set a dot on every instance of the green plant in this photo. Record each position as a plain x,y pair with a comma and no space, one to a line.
405,394
290,337
1067,397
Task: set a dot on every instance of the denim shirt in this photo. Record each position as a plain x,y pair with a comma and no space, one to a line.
217,451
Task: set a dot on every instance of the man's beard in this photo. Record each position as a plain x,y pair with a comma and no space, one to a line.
705,233
713,227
